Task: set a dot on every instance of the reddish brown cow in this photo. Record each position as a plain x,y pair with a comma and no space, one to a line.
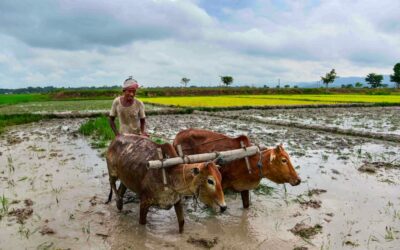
274,163
127,158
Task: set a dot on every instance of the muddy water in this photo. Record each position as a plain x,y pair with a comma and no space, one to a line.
60,174
54,167
372,119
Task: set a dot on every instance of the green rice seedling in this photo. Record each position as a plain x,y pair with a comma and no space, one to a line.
10,164
16,119
23,178
98,128
390,234
263,189
22,98
45,246
23,231
4,206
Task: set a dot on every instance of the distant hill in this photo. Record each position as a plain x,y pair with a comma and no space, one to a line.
343,80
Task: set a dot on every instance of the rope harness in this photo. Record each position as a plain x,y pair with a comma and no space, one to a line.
259,163
195,194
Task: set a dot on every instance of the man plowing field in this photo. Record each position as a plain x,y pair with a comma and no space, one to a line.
130,111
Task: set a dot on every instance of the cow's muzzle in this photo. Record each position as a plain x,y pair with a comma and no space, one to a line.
295,182
223,208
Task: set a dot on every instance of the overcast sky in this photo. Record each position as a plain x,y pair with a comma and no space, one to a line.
101,42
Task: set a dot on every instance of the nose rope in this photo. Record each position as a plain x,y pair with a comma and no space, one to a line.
259,163
186,185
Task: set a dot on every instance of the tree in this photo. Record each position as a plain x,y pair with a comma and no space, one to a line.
374,80
226,80
358,85
286,86
185,81
396,76
329,77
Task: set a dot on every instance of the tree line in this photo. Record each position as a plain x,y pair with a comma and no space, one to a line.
373,79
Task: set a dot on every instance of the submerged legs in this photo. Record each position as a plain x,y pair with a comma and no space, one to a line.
179,214
245,198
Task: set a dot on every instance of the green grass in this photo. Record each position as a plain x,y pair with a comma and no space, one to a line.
16,119
22,98
98,128
62,106
4,206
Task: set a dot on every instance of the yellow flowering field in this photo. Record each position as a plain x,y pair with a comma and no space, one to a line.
269,100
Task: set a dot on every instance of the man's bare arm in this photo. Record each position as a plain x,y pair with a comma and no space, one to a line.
111,120
143,127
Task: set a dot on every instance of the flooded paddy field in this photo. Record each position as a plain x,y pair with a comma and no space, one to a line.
72,106
56,186
373,119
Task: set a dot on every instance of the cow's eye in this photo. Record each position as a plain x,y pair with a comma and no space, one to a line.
211,182
284,160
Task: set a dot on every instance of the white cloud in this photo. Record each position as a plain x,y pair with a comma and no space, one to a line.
94,42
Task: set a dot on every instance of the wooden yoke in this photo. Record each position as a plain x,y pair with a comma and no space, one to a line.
246,158
164,175
227,156
180,152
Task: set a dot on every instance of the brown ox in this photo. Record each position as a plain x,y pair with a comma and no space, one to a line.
273,163
127,158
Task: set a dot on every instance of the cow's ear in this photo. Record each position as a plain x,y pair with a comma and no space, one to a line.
195,171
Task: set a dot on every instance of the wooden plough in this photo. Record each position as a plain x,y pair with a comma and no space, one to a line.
222,157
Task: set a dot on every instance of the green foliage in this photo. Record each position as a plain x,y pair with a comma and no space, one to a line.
100,129
329,77
347,86
4,206
16,119
263,189
358,85
374,80
157,140
226,80
21,98
185,81
396,75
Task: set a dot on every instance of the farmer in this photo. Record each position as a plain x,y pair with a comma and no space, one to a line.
130,111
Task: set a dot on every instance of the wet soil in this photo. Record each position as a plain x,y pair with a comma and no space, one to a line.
365,119
65,184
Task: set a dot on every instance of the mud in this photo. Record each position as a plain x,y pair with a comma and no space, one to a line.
305,231
206,243
370,119
67,184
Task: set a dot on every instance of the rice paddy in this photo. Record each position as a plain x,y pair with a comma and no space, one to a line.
44,107
270,100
